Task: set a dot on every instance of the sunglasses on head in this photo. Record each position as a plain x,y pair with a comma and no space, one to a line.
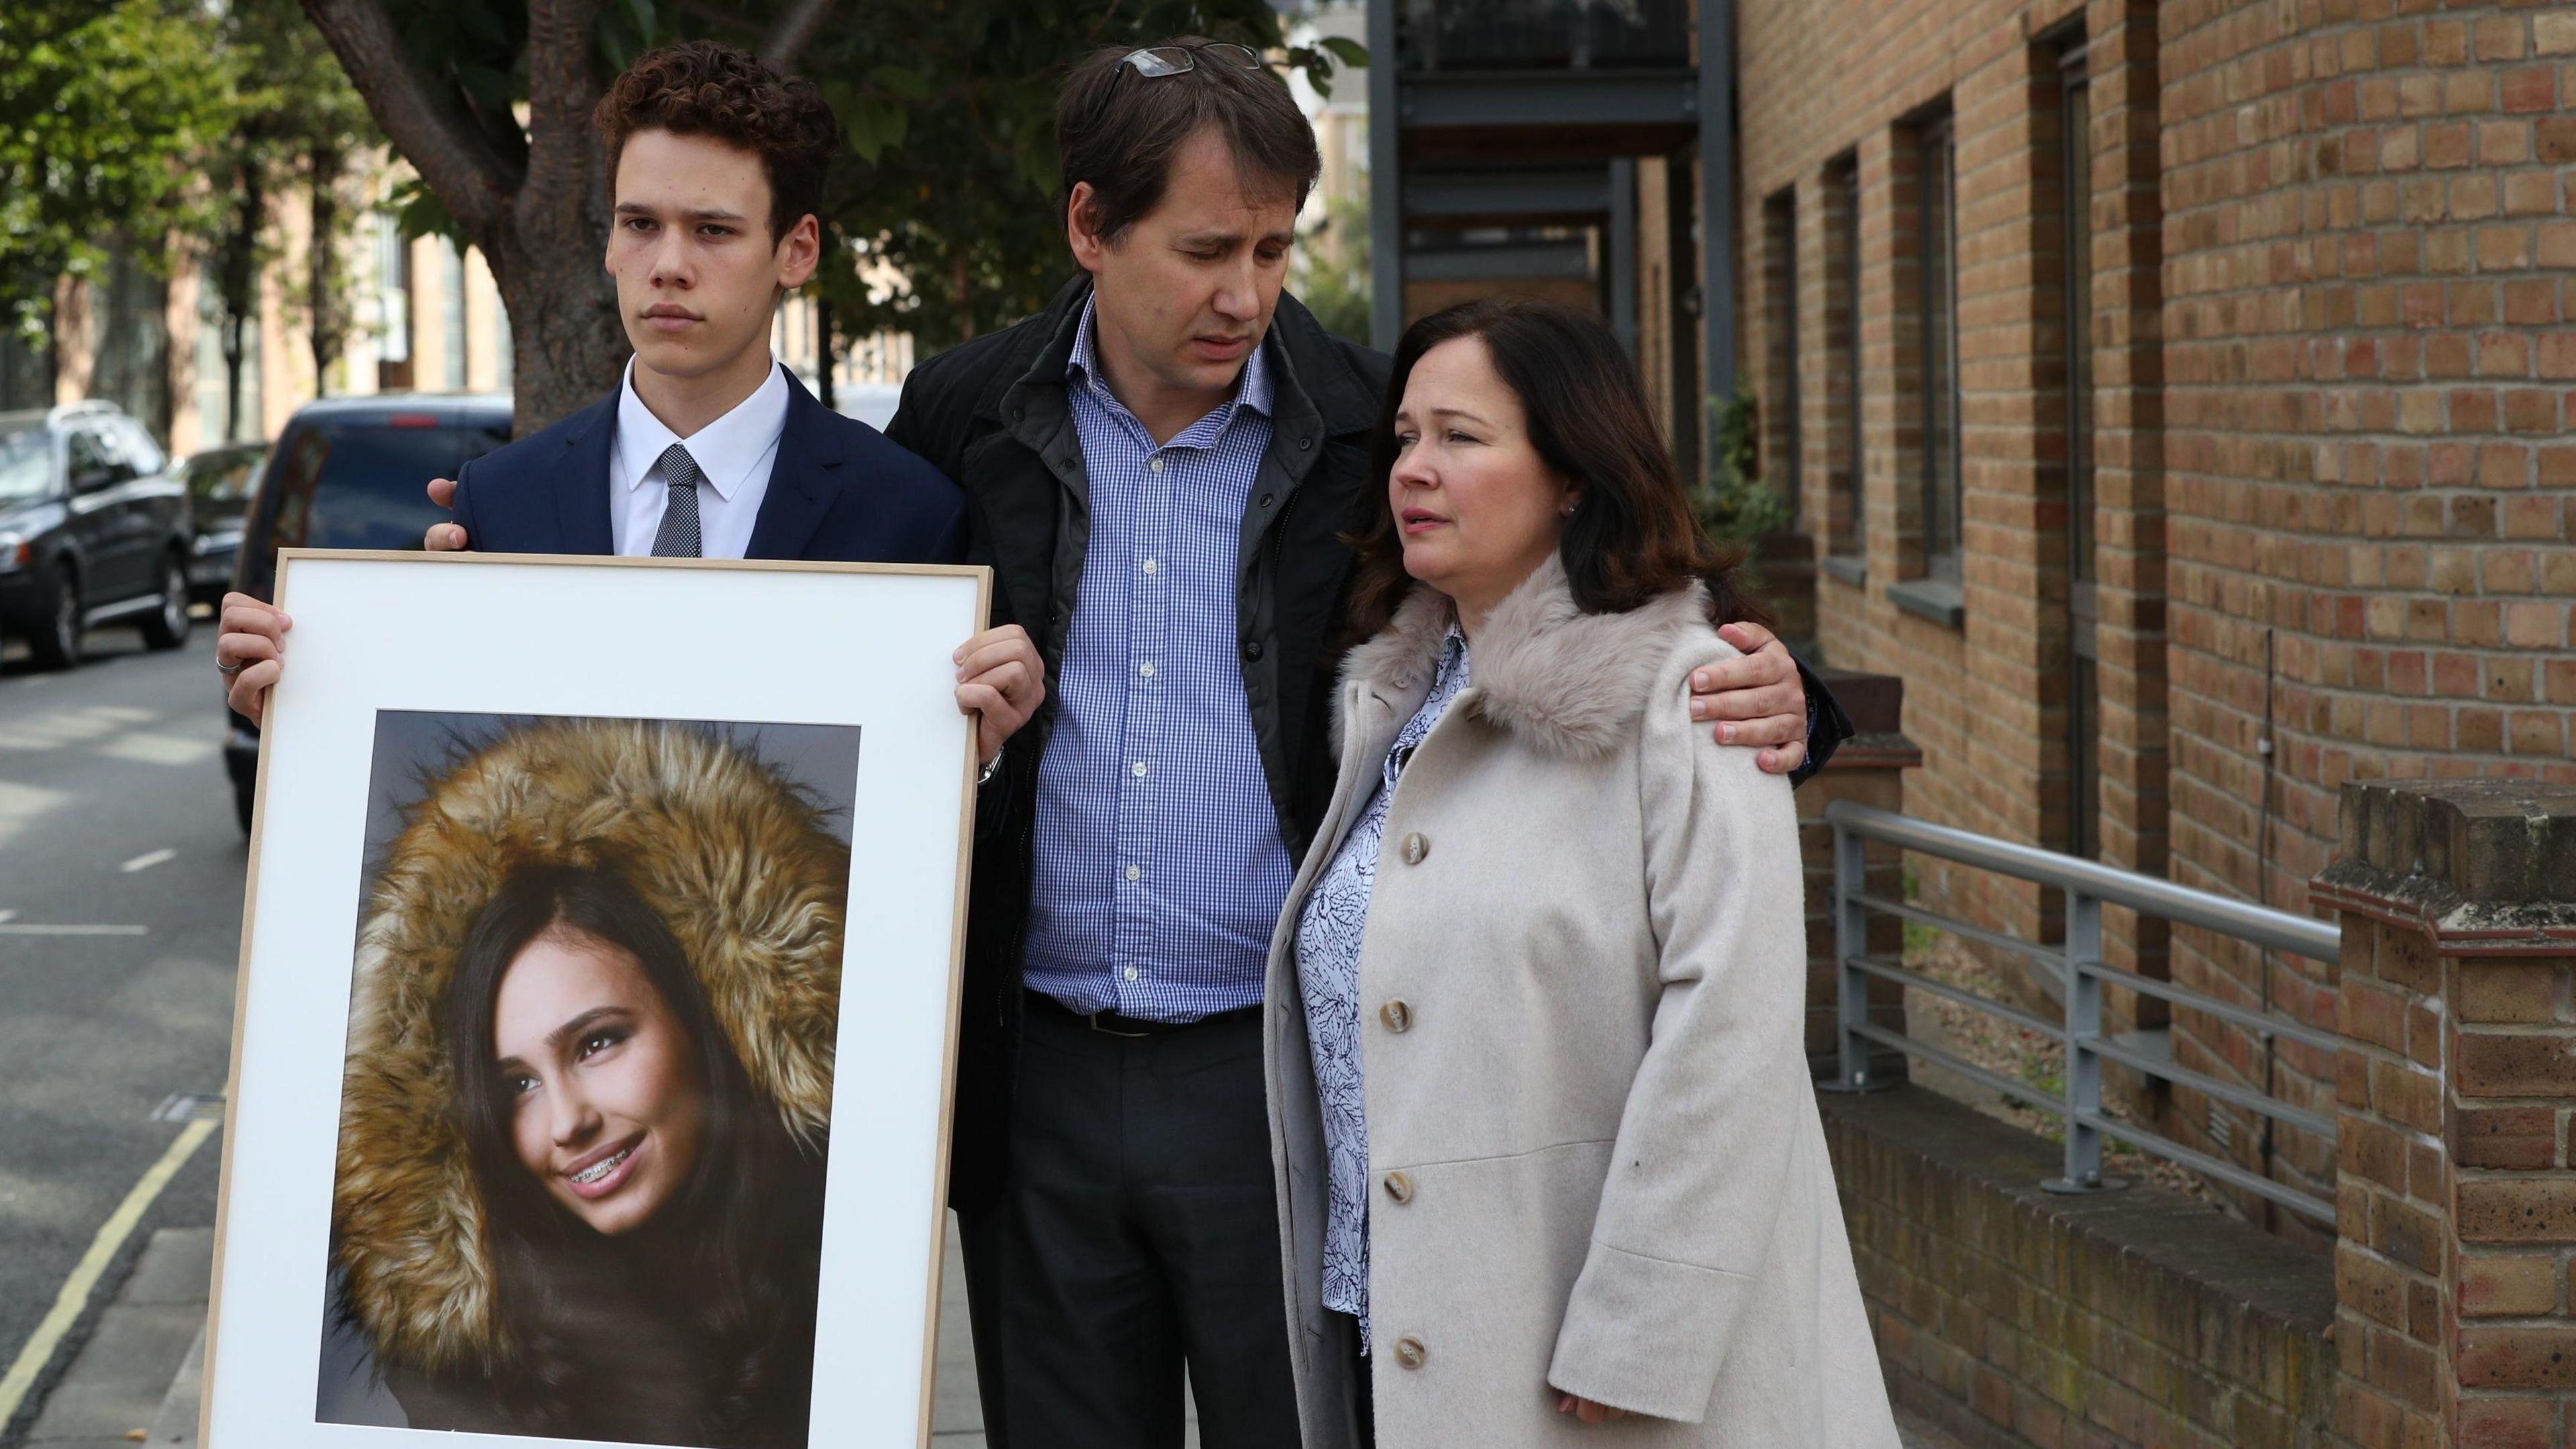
1156,61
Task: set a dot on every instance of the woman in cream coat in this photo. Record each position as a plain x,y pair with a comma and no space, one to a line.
1544,1133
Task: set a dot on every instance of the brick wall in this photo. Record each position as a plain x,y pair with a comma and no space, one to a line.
2456,1200
2330,246
2011,1317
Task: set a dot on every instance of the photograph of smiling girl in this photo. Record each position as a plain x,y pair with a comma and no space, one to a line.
585,1106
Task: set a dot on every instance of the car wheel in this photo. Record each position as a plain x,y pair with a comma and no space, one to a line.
166,627
56,642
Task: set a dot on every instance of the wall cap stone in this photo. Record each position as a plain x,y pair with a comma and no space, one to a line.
2482,866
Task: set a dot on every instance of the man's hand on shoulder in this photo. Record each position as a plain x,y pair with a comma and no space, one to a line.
444,537
1755,699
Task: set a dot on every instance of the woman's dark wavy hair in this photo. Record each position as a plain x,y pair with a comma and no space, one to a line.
725,1292
1632,538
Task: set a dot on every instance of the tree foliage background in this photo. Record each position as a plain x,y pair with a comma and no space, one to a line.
947,107
103,108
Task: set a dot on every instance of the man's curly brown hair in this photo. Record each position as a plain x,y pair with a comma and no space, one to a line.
704,88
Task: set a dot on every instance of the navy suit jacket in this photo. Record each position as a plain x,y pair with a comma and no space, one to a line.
839,492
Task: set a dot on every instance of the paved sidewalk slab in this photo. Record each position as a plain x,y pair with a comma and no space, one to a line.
117,1383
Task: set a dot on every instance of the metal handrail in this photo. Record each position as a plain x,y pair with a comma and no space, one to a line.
2261,925
2088,886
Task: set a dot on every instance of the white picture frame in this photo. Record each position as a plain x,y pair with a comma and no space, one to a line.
743,653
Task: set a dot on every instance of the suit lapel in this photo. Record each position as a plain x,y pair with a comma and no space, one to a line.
802,483
581,484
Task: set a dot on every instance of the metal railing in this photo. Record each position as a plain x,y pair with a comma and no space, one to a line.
2081,973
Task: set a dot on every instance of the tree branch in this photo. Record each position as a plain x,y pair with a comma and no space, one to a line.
803,20
437,139
562,88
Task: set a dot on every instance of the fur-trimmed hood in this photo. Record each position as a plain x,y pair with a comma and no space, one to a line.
726,850
1571,683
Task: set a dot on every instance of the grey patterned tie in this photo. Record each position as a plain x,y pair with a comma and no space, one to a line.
678,535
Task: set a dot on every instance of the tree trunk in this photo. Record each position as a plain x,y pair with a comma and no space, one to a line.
330,323
239,277
542,224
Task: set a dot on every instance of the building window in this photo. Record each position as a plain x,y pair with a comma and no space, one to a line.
1783,448
2084,718
452,282
1842,355
1938,171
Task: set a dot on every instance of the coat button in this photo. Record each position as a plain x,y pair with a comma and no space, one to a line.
1252,649
1266,499
1409,1352
1396,1015
1305,443
1399,1187
1415,847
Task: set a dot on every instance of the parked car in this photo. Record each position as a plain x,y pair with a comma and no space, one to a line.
220,481
352,473
93,529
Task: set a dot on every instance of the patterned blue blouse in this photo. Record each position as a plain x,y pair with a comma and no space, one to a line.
1328,976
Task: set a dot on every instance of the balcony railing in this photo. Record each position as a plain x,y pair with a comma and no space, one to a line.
2081,975
1542,35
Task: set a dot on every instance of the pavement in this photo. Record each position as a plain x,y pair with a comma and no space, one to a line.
120,919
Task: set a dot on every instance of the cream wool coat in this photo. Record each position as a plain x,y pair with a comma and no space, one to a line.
1596,1160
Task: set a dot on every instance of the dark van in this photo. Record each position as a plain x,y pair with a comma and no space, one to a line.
353,473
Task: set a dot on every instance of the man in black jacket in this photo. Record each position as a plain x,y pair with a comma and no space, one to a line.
1159,469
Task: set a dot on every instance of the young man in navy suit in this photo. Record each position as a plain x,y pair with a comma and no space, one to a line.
708,448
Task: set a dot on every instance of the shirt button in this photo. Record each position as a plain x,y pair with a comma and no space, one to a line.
1131,973
1415,847
1156,465
1135,872
1398,1186
1396,1015
1409,1352
1149,566
1146,669
1138,769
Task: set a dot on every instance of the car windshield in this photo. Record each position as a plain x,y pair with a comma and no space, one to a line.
364,485
26,464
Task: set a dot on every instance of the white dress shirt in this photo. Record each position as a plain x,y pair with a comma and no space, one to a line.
735,453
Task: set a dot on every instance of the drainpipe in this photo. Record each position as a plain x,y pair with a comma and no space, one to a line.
1717,198
1386,181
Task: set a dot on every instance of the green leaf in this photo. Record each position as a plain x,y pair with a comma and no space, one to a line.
896,81
1346,50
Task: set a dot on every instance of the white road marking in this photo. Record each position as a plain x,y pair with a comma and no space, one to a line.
7,916
36,930
75,1295
149,860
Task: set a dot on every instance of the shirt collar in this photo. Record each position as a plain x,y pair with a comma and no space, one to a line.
725,450
1253,388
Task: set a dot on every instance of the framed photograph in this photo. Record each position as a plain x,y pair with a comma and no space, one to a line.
596,1024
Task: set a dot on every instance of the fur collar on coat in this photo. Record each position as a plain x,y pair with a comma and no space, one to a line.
726,850
1571,683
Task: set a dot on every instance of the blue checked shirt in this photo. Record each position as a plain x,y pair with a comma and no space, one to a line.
1159,867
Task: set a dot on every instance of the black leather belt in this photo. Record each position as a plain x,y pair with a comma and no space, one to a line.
1112,1023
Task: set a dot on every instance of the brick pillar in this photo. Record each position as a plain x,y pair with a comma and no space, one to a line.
1869,768
2454,1323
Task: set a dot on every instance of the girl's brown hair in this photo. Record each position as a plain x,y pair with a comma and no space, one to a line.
1632,537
